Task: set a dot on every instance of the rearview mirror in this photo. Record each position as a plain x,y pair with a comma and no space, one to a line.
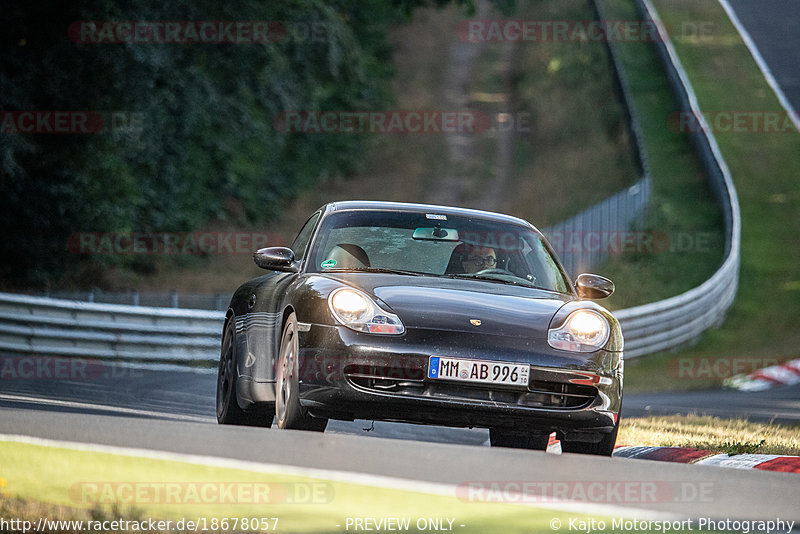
593,286
435,234
276,259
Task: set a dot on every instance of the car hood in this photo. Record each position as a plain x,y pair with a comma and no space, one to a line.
464,305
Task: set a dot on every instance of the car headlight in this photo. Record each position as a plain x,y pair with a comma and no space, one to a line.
583,331
357,311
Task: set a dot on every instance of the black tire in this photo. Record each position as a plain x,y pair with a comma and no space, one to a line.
517,440
288,411
228,410
604,447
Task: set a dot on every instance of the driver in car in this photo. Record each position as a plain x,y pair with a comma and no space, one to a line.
477,259
471,259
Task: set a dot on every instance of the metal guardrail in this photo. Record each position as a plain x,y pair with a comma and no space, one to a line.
157,299
613,217
676,321
41,325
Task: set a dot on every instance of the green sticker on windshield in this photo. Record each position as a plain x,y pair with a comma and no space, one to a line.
327,264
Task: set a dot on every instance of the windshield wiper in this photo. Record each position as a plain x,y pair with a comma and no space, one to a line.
372,270
492,279
487,278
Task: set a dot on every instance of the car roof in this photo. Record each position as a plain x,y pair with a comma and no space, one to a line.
420,208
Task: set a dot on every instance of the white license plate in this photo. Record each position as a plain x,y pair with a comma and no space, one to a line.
478,371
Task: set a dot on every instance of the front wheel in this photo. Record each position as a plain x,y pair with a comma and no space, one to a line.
228,410
288,411
517,440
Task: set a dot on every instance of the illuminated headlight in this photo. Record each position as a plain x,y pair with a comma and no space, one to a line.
357,311
583,331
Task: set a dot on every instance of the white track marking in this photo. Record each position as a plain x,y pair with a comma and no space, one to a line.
765,70
363,479
105,407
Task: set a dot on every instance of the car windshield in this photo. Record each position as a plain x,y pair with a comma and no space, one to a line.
435,245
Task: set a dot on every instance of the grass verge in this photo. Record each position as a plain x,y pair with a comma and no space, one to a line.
684,219
43,481
570,138
578,150
765,166
731,436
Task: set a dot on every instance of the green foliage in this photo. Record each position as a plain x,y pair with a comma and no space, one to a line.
742,447
201,148
205,148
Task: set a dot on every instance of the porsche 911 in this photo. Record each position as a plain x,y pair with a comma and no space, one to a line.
423,314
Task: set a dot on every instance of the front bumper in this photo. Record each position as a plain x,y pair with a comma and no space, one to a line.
349,375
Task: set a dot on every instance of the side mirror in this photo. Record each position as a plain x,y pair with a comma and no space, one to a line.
276,259
592,286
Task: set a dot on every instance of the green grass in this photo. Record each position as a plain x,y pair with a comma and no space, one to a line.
577,152
765,168
684,218
730,436
42,480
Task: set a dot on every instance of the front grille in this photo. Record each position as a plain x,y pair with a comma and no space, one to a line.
385,379
558,395
411,383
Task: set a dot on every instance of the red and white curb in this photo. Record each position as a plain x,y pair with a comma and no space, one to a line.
785,374
763,462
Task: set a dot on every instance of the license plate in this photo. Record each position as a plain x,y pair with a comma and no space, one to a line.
478,371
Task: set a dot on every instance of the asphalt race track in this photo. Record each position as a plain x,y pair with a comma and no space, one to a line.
774,26
178,394
781,405
173,411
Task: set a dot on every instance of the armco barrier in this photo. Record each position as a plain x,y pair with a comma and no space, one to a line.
40,325
60,327
679,320
616,214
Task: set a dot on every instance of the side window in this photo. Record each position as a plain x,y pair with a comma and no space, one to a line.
301,241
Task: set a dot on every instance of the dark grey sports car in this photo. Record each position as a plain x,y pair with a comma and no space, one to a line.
423,314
